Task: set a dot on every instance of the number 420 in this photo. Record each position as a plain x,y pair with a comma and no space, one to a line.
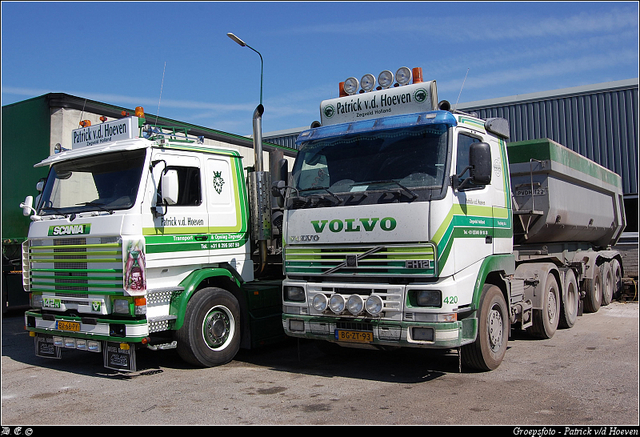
451,299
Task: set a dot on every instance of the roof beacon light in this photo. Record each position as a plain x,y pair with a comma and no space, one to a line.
85,123
417,75
385,79
351,86
368,82
139,111
403,76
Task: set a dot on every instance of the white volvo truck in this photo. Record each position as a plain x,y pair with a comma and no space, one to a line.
141,238
410,224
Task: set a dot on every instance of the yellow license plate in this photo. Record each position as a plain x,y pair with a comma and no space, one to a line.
68,326
354,336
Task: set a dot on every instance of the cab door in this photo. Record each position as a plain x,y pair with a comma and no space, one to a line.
473,209
179,235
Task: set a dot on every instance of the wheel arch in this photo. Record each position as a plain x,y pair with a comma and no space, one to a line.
492,271
219,277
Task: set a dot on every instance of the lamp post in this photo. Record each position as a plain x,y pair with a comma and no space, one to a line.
244,44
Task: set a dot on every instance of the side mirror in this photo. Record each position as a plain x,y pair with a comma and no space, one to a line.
279,184
27,206
479,167
480,161
169,187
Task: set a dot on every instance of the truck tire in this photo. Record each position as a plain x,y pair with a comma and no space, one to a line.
210,335
608,283
545,320
487,352
570,301
593,289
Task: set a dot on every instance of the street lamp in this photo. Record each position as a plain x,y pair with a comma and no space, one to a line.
244,44
259,180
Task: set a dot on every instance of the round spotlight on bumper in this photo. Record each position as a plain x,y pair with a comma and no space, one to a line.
351,86
355,304
374,305
385,79
403,76
320,302
337,303
368,82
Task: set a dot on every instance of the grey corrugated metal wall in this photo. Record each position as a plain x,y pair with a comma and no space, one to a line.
599,123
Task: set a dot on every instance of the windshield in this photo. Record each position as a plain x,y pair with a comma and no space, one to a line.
409,161
101,182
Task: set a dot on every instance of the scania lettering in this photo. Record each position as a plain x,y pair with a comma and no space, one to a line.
434,232
141,238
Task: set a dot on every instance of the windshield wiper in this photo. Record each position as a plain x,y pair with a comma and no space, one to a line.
96,203
322,196
391,181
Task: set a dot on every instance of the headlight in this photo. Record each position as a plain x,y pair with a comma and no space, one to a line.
351,85
320,302
368,82
336,303
355,304
294,294
121,306
36,300
385,79
429,298
374,305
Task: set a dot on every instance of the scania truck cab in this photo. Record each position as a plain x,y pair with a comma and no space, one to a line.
141,238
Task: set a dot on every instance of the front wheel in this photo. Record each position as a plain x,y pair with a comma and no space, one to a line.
487,352
210,335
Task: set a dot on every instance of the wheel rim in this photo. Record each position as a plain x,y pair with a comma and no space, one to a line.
551,305
495,328
218,327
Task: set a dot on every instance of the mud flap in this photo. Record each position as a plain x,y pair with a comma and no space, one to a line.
45,348
120,356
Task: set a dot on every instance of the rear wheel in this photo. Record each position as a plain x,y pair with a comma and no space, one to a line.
210,335
608,283
570,301
487,352
593,288
616,270
545,320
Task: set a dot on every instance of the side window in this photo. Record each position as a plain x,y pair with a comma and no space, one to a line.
189,191
464,143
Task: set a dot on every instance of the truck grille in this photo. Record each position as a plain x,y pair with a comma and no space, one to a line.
73,265
413,260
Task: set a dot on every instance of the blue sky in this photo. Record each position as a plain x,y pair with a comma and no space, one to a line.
118,52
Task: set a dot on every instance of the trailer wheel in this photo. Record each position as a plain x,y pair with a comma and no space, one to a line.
593,288
487,352
570,302
210,335
607,283
616,270
545,320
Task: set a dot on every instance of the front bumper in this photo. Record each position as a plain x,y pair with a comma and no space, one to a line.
378,332
90,328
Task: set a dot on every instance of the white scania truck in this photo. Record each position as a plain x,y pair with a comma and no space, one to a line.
410,224
141,237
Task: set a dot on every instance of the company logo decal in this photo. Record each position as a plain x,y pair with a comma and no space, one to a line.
69,230
218,182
